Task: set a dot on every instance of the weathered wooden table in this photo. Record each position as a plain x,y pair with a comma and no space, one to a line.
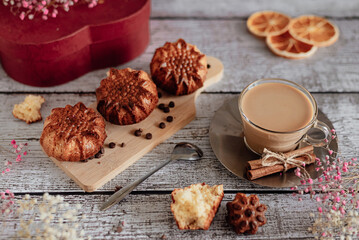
218,28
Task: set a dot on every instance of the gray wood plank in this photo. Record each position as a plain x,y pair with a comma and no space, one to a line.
37,173
149,216
235,8
245,58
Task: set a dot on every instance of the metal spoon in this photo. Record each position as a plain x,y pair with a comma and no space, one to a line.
183,151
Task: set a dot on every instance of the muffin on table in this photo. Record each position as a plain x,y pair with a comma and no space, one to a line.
73,133
179,68
126,96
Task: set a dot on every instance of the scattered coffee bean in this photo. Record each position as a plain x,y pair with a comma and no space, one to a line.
102,150
159,94
98,162
171,104
162,125
84,160
112,145
138,133
169,119
208,66
98,155
161,106
148,135
122,144
166,109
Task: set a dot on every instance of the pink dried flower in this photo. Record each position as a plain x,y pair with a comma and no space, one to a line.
32,8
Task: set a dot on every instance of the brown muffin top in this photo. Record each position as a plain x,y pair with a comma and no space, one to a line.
179,63
73,133
126,96
126,86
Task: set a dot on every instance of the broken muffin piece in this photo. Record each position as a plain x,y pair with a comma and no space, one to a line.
29,109
194,207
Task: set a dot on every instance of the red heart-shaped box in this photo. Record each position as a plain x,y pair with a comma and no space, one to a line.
47,53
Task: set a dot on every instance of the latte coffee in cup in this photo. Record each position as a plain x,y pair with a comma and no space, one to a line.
277,114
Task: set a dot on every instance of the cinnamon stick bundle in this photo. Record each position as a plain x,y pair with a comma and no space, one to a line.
256,170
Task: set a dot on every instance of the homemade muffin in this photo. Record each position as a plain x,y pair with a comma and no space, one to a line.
73,133
29,109
179,68
194,207
246,214
126,96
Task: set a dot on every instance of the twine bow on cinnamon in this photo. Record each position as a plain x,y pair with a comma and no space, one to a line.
270,158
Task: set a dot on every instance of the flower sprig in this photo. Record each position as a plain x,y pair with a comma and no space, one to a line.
57,219
29,9
20,151
336,196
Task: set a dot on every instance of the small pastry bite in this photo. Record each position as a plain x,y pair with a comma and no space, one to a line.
126,96
29,109
179,68
73,133
246,214
194,207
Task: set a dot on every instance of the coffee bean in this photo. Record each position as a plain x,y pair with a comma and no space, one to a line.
248,212
162,125
148,135
102,150
171,104
98,155
260,208
166,109
112,145
122,144
169,119
260,218
208,66
161,106
159,94
138,133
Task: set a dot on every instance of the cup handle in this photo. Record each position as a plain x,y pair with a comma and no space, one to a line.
322,141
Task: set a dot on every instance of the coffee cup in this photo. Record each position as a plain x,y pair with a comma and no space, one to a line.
277,115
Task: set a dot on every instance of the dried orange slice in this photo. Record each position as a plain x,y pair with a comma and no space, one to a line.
285,45
314,30
267,23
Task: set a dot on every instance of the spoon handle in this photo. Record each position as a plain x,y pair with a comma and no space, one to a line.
123,192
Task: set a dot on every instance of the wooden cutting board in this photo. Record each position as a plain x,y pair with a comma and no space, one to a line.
96,172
